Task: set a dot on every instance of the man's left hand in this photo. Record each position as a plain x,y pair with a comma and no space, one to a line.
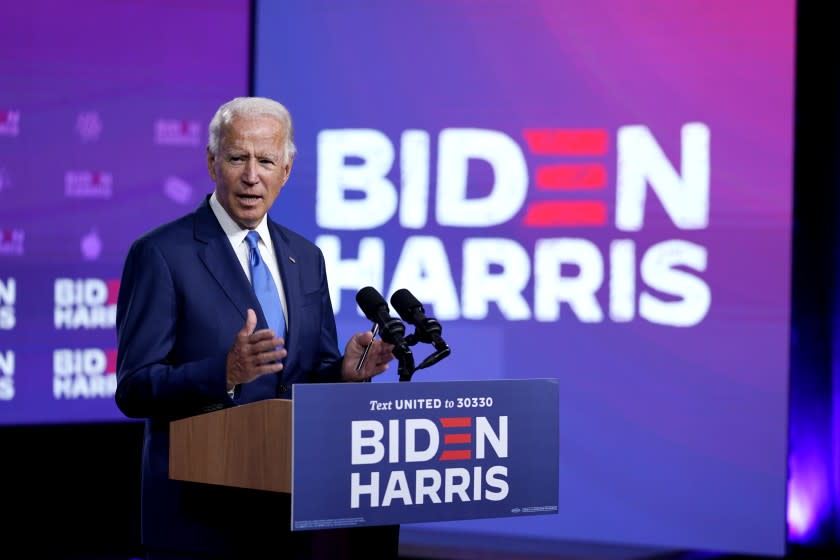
376,362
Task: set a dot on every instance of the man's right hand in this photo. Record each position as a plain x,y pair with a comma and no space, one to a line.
253,353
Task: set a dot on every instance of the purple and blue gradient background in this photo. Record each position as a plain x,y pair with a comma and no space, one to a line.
132,63
668,436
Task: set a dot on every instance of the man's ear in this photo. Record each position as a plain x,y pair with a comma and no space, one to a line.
288,169
211,164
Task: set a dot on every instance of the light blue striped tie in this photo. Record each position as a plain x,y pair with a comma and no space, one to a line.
265,288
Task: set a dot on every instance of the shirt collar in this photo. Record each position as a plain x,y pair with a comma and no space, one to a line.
235,233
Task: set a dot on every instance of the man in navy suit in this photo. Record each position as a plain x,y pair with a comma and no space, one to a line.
193,338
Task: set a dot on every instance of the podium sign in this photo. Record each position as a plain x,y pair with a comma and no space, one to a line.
393,453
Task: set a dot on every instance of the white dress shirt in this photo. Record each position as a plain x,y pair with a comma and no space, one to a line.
236,236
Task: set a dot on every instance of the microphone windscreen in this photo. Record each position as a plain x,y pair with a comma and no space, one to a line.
403,302
370,301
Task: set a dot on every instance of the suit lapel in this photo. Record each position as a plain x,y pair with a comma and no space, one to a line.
222,264
290,276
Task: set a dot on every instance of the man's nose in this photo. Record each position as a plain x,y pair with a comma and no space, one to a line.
249,174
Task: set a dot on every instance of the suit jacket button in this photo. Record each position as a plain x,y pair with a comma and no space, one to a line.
282,389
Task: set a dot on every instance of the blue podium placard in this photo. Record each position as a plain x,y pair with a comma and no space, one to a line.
394,453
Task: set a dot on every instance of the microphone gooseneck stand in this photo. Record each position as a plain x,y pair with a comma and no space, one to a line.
405,361
405,358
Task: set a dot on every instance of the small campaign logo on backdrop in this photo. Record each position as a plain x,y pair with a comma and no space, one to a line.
172,132
88,184
84,373
89,126
91,245
11,242
86,303
8,296
9,123
177,190
7,375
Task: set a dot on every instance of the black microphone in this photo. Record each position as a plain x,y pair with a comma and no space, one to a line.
427,329
373,305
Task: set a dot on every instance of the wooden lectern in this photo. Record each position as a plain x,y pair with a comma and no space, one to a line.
324,453
250,446
247,446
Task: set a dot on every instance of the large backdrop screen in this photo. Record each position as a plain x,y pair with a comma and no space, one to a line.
598,192
103,116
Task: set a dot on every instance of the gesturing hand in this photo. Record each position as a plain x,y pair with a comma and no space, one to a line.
377,359
253,353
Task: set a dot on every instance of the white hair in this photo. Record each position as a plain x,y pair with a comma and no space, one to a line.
250,106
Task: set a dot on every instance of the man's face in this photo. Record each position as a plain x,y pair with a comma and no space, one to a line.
250,168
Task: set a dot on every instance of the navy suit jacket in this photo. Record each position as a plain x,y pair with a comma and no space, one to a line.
183,298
